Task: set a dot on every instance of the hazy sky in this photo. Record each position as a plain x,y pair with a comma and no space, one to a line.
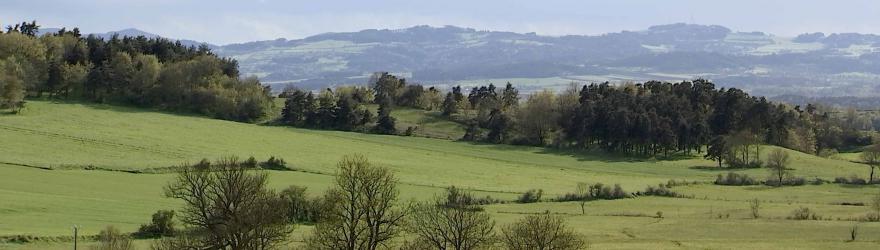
227,21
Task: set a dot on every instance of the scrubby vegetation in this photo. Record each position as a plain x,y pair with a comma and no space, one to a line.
735,179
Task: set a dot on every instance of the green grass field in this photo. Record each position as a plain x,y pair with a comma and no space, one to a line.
70,137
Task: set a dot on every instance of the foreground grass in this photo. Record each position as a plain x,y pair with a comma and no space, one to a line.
71,137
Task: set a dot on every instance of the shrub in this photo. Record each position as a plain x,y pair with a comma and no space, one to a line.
249,163
111,239
540,232
852,180
804,213
531,196
410,131
597,191
817,181
676,183
203,164
734,179
660,190
275,163
788,181
162,225
301,208
828,153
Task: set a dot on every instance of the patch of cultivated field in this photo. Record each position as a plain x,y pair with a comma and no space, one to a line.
69,137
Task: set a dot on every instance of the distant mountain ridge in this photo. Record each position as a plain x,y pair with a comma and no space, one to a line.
761,63
814,64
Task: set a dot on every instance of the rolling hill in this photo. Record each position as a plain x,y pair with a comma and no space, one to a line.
93,165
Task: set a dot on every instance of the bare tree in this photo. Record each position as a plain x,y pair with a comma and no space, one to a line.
230,206
362,214
871,156
755,206
453,222
583,193
875,209
541,232
776,162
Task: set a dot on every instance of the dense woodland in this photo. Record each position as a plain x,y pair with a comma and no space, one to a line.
146,72
644,119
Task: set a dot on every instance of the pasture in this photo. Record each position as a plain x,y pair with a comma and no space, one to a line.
64,164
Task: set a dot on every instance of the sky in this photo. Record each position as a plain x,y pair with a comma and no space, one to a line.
227,21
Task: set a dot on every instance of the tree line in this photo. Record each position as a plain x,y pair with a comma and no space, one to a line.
645,119
345,108
141,71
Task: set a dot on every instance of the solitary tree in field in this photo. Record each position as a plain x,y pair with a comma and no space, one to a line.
363,212
583,193
871,156
230,207
452,222
541,232
776,162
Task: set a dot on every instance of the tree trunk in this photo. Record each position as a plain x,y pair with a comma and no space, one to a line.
780,179
583,210
871,178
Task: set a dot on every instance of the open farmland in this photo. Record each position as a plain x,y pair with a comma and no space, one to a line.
70,138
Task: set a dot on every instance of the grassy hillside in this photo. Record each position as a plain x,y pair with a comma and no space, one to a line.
68,137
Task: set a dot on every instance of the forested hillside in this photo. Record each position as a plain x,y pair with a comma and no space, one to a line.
147,72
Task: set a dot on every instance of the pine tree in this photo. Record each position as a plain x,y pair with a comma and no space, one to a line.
450,106
386,123
509,97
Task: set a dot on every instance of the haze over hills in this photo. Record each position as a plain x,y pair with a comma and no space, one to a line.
810,65
814,64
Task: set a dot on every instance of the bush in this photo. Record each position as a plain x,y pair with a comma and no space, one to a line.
275,163
804,213
828,153
852,180
301,208
250,162
734,179
660,190
111,239
788,181
162,225
597,191
676,183
540,232
410,131
530,196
